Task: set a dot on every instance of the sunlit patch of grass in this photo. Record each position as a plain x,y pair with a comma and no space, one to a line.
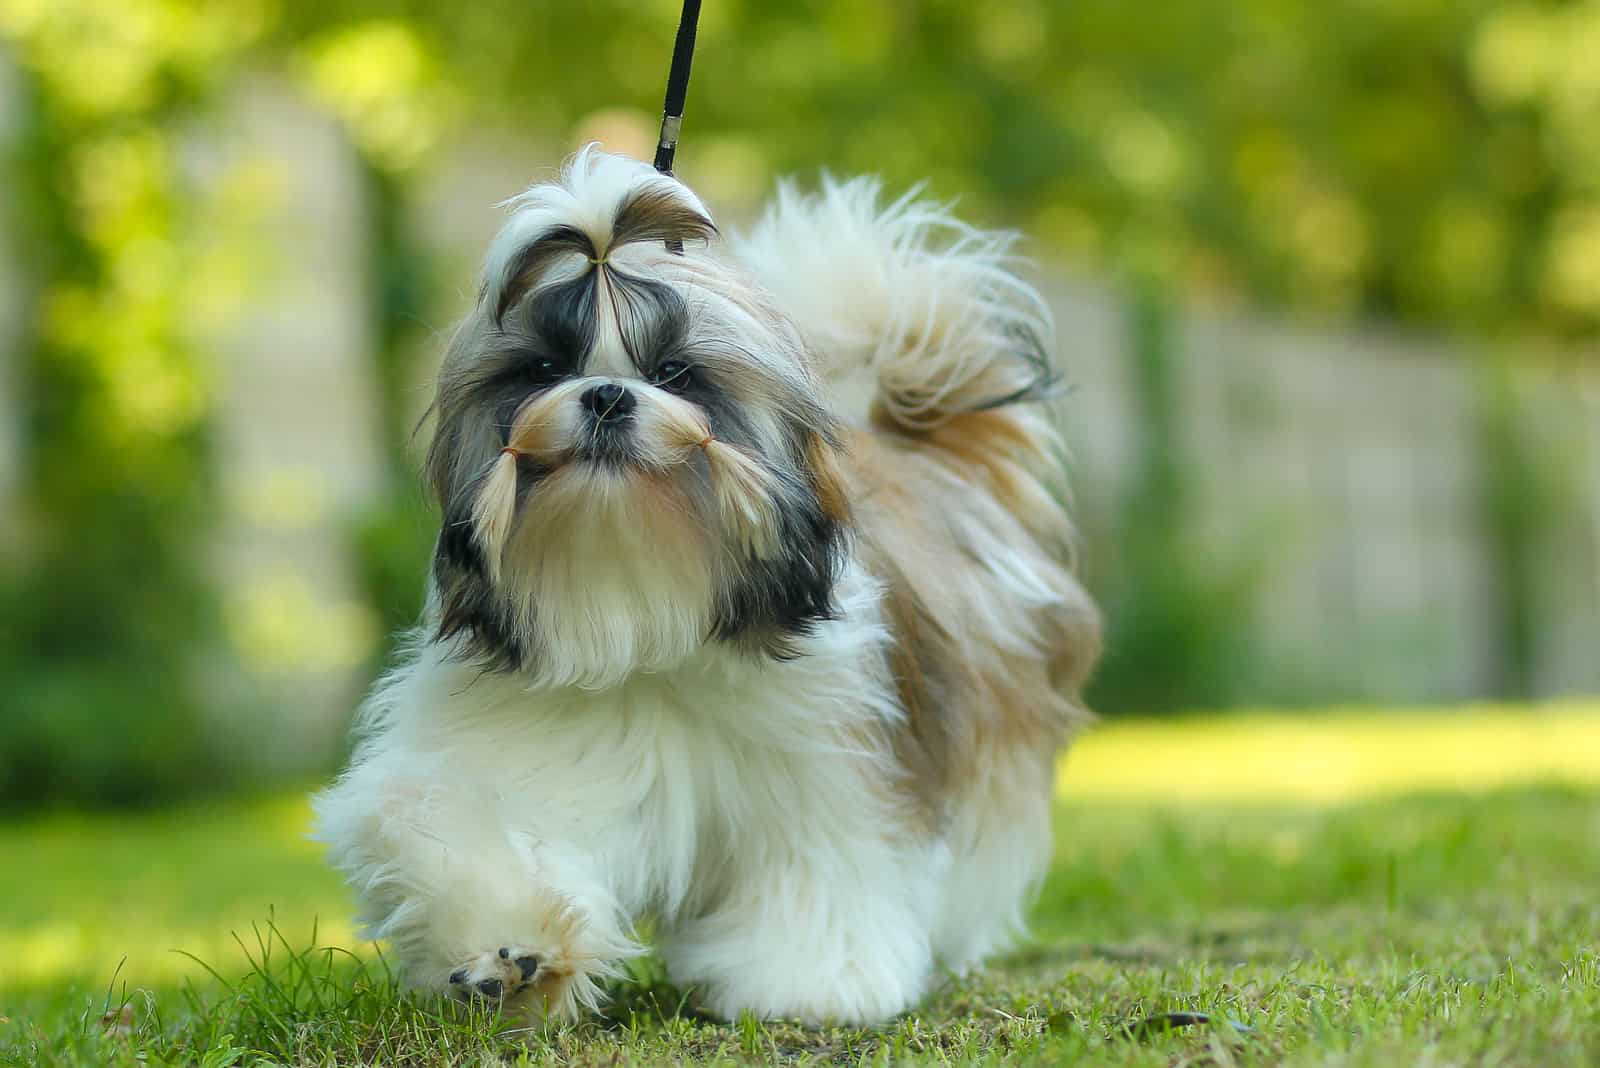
1332,756
1310,923
86,892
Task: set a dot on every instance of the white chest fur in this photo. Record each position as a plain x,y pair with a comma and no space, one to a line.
731,795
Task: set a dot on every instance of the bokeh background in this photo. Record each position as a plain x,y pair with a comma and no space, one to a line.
1327,279
1327,282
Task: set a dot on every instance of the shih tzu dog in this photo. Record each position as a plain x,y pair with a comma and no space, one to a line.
751,614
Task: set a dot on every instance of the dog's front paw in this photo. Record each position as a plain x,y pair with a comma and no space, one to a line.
498,975
549,961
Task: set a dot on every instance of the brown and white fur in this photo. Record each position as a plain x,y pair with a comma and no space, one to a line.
774,640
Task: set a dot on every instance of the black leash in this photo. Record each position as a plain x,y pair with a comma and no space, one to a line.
677,91
677,86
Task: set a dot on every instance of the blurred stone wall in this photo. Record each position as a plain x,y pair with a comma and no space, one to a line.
1344,471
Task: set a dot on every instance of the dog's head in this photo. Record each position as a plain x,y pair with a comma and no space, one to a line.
631,452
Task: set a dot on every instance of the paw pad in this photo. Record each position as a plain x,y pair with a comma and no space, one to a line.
504,973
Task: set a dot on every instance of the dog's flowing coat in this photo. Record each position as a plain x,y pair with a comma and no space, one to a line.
775,644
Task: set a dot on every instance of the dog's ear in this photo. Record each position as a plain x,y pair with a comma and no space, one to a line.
465,441
825,468
470,611
779,597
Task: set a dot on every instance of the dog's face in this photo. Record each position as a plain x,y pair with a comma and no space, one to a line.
631,454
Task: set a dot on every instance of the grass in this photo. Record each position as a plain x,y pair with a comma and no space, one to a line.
1349,889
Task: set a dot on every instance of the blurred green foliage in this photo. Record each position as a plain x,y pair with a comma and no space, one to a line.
1435,161
105,617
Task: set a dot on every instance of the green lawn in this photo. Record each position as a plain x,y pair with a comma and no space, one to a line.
1348,889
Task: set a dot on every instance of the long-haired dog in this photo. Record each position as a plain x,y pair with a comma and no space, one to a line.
751,612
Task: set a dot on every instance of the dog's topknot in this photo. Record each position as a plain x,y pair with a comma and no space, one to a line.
600,203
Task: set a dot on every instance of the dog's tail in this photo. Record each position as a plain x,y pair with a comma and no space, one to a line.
918,321
925,334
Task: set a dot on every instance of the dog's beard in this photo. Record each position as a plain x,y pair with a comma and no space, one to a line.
608,572
607,522
584,547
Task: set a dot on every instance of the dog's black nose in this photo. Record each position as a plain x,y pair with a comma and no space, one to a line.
609,401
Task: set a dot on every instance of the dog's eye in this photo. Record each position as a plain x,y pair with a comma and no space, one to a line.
674,376
546,371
